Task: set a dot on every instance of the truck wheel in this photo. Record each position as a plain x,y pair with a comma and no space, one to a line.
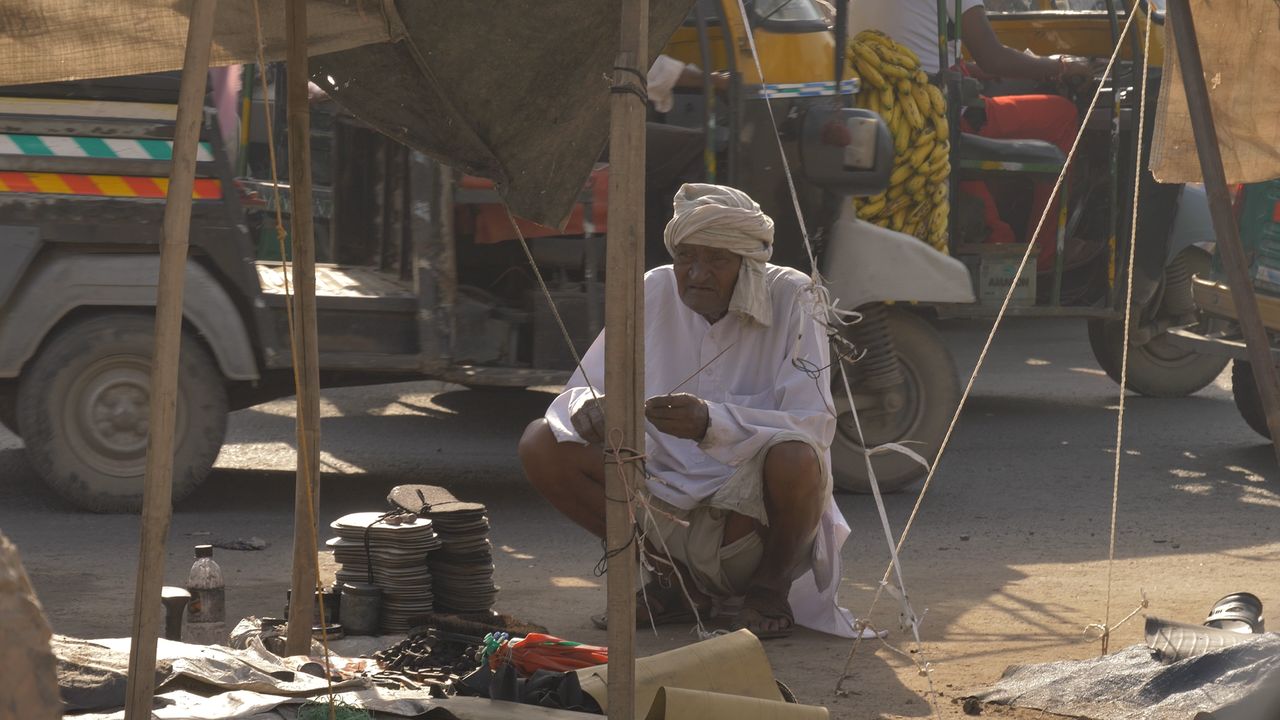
83,405
1159,368
932,391
1248,401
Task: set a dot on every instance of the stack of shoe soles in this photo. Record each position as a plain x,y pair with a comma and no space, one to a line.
394,559
462,569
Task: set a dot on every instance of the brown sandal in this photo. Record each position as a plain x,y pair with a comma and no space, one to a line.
762,605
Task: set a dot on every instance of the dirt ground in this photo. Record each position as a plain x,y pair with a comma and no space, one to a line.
1007,561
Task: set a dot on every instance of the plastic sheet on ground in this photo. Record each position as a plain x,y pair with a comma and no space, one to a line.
1233,683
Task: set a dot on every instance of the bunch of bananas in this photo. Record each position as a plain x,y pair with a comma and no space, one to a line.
894,86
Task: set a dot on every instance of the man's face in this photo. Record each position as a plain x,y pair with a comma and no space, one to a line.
705,277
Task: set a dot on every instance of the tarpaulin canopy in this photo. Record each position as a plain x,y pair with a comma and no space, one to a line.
514,91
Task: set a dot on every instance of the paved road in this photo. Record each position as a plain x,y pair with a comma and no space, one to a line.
1008,557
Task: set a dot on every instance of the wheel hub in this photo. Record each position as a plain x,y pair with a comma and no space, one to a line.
889,415
120,412
108,415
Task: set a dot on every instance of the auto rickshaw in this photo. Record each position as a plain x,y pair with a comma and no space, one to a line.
1257,207
905,385
1175,235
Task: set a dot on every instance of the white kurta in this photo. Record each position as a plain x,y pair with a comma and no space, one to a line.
753,391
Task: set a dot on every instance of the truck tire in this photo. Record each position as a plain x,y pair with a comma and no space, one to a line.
1248,401
932,393
83,404
1158,368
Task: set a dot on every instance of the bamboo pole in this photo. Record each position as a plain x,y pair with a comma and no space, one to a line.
157,493
306,507
1224,224
624,344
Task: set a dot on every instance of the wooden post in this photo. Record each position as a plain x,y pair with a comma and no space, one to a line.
624,344
157,493
1224,224
306,507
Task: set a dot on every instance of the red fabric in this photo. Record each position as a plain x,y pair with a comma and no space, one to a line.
1051,118
488,222
547,652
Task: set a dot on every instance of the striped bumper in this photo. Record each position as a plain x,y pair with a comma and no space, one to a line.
101,185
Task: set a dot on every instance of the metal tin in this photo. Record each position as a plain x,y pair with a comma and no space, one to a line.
361,608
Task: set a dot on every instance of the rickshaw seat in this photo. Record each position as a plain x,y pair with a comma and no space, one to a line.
978,155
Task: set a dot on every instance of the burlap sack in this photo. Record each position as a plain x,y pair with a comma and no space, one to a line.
1240,48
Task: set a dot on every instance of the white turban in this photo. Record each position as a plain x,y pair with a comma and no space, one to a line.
723,217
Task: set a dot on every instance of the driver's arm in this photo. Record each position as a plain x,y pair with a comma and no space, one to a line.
995,58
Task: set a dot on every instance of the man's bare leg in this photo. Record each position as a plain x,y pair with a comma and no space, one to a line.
794,500
570,476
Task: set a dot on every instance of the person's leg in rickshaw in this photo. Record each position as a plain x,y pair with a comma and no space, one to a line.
1051,118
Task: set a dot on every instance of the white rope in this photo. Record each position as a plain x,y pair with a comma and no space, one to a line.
1124,354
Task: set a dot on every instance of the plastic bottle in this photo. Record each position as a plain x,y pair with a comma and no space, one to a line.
207,613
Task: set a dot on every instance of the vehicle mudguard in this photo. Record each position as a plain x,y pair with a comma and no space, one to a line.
57,284
865,263
1192,223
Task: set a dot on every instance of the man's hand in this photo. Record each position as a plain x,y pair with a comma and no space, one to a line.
1073,67
681,415
589,420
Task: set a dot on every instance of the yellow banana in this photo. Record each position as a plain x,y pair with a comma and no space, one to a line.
939,215
895,72
900,175
937,100
887,99
940,192
921,96
940,125
901,139
902,202
920,77
919,154
941,151
896,192
865,52
892,57
870,210
927,137
908,105
899,219
916,183
868,72
940,173
908,53
871,102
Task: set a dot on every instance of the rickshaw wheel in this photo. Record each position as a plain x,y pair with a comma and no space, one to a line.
932,390
1158,368
1248,401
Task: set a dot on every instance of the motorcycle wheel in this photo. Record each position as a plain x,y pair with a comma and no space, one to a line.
932,390
1158,368
1248,401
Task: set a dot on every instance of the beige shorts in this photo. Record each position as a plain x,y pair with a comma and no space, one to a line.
695,537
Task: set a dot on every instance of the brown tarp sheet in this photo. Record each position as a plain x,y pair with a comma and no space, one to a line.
1240,48
516,91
